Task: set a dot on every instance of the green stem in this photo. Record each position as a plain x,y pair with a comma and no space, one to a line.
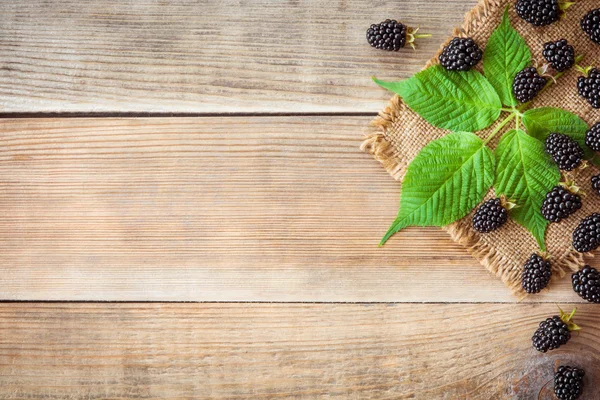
499,127
424,35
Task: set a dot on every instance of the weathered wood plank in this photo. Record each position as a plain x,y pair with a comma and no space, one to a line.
253,351
207,56
215,209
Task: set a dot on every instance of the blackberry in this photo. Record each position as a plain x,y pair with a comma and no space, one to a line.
586,283
388,35
586,237
551,334
538,12
589,87
596,183
590,24
592,137
559,204
559,54
568,382
536,274
460,54
490,216
527,84
566,152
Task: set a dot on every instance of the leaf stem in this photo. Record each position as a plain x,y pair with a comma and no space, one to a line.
499,127
422,35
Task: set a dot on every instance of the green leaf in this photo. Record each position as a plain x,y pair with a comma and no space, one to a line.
458,101
540,122
444,182
506,53
524,174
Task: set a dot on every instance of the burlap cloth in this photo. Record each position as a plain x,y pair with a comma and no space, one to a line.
400,134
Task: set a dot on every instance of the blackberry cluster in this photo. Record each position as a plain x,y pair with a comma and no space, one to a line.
461,54
536,274
527,84
489,216
596,183
389,35
566,152
592,137
568,382
538,12
586,283
551,334
559,204
589,87
560,54
586,237
590,24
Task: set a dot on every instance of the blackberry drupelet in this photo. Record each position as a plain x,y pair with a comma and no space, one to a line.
527,84
559,204
551,334
461,54
586,237
592,137
565,152
589,87
536,274
559,54
586,283
389,35
596,183
490,216
538,12
568,382
590,24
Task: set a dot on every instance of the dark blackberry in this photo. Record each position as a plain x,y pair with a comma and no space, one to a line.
388,35
596,183
568,382
586,237
586,283
592,137
536,274
461,54
590,24
559,204
566,152
551,334
490,216
527,84
589,87
559,54
538,12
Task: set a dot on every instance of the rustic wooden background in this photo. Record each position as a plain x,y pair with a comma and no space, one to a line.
197,162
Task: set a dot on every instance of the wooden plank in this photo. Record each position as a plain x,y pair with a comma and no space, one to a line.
207,56
215,209
258,351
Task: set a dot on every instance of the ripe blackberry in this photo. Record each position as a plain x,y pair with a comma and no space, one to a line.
589,87
388,35
586,237
568,382
596,183
586,283
527,84
592,137
461,54
490,216
538,12
559,204
566,152
551,334
536,274
590,24
559,54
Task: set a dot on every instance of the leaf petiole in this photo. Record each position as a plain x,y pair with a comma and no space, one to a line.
499,127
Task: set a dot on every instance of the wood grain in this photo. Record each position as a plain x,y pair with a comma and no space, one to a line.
215,209
207,56
253,351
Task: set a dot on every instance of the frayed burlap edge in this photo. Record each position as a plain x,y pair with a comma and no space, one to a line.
382,150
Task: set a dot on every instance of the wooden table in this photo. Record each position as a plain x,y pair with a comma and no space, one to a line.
185,213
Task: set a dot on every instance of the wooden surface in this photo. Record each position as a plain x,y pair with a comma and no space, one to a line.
229,200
